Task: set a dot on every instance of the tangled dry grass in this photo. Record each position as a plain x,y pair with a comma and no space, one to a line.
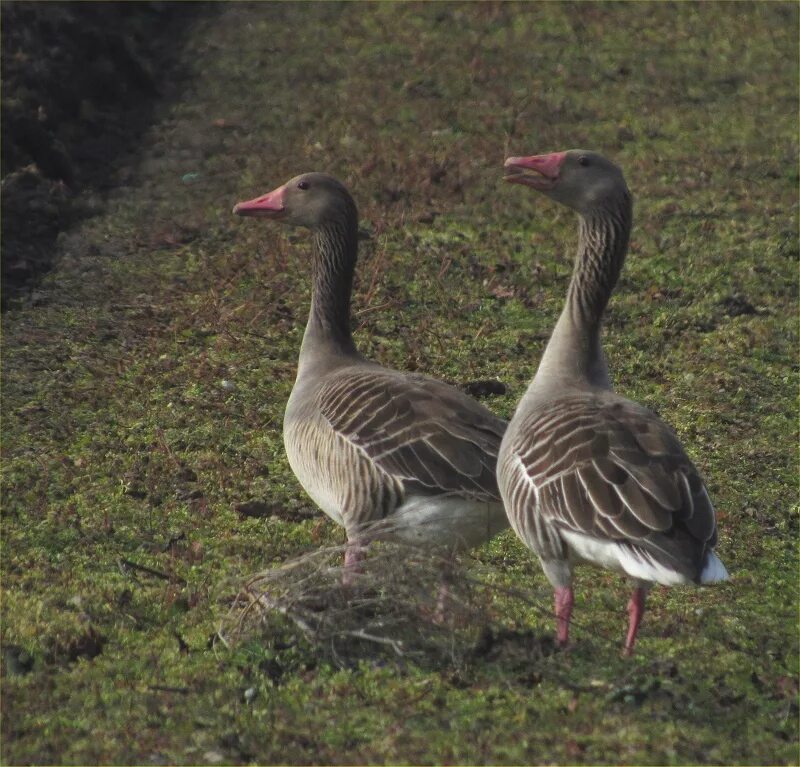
407,603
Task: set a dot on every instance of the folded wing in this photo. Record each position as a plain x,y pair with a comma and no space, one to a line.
433,437
605,467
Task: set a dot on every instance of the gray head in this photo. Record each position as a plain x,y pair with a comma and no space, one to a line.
311,200
582,180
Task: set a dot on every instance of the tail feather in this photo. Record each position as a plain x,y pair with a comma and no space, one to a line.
713,570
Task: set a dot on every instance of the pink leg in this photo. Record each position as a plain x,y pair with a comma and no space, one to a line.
440,613
353,555
565,598
635,613
446,566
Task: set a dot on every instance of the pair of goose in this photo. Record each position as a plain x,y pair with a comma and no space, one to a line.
580,473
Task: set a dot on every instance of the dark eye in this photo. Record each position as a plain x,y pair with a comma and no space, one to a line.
583,160
302,184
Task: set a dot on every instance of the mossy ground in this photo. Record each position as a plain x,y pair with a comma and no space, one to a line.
122,449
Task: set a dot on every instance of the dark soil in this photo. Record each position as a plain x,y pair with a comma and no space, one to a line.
80,85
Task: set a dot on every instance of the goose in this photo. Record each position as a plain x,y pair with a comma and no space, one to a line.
381,452
587,476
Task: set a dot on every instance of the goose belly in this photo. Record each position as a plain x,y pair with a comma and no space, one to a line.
448,521
312,475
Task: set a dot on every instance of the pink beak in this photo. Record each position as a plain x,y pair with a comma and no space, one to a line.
547,166
269,205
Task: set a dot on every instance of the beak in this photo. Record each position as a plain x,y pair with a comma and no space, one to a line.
545,167
269,205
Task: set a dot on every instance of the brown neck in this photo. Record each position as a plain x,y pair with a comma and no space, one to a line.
335,255
602,246
574,352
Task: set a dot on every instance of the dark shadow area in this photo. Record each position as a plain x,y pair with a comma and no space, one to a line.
80,85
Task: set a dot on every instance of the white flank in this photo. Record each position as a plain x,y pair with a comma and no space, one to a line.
622,559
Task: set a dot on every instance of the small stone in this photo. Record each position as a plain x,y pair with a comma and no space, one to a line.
737,305
227,385
250,694
253,508
484,388
213,757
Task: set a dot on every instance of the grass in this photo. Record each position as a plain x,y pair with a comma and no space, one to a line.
122,449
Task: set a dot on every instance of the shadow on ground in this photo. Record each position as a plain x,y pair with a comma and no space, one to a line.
81,83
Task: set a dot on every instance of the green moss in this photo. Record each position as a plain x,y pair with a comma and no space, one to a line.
123,450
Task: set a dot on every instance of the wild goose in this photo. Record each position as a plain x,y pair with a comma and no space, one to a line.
586,475
382,453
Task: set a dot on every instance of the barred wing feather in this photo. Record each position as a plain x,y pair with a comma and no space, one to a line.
426,433
605,467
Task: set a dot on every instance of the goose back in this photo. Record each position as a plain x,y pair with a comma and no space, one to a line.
595,466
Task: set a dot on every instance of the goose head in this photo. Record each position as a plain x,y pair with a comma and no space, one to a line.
582,180
311,200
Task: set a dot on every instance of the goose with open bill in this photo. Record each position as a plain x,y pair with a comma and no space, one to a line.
585,474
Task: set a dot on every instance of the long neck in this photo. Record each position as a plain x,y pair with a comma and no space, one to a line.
574,353
335,254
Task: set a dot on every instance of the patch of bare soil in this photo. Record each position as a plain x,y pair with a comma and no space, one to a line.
80,84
